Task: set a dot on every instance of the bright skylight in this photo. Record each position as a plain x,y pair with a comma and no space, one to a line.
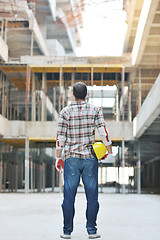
103,29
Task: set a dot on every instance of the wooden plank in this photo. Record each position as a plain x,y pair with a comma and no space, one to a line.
13,68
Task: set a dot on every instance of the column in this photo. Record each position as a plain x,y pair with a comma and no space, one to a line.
118,178
17,105
5,33
60,90
7,99
31,164
92,83
32,44
123,79
117,105
44,175
138,169
54,103
53,169
38,178
33,97
3,96
123,168
44,92
117,97
53,176
16,169
102,91
153,174
27,93
1,170
129,103
139,91
20,171
1,90
40,173
26,165
2,27
34,172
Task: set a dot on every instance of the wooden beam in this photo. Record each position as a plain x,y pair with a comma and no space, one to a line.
13,68
83,68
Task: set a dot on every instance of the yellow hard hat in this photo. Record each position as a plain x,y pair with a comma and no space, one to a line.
98,150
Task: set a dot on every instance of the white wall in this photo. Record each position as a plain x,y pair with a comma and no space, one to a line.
3,50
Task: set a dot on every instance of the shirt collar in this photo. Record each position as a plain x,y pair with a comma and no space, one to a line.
78,102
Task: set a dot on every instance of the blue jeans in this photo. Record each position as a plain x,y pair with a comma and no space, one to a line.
73,169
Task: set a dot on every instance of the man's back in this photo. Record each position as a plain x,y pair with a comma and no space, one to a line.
77,123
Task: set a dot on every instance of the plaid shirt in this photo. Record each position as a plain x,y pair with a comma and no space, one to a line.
76,129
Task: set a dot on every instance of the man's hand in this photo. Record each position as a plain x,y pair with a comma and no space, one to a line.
59,164
107,157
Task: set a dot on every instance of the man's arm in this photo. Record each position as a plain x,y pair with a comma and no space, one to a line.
109,148
59,153
60,141
103,131
59,161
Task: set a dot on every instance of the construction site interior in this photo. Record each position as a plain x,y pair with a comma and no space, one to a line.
39,66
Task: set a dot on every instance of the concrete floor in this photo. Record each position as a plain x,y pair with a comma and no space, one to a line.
38,216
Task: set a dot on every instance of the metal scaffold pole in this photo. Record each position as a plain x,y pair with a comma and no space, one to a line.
92,83
27,93
102,91
44,92
117,99
60,90
33,97
54,104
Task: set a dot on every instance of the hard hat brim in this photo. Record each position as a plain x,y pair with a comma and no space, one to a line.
93,153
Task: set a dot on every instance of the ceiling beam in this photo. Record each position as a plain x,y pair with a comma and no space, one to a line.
146,18
130,22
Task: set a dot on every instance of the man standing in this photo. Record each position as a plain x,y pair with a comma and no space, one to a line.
76,134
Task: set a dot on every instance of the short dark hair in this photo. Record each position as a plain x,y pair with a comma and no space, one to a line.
80,90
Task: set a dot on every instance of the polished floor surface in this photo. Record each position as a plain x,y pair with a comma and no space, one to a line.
38,216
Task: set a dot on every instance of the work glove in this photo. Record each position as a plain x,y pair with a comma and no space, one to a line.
107,157
59,164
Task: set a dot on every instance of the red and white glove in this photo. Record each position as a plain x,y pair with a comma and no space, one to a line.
59,164
107,157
